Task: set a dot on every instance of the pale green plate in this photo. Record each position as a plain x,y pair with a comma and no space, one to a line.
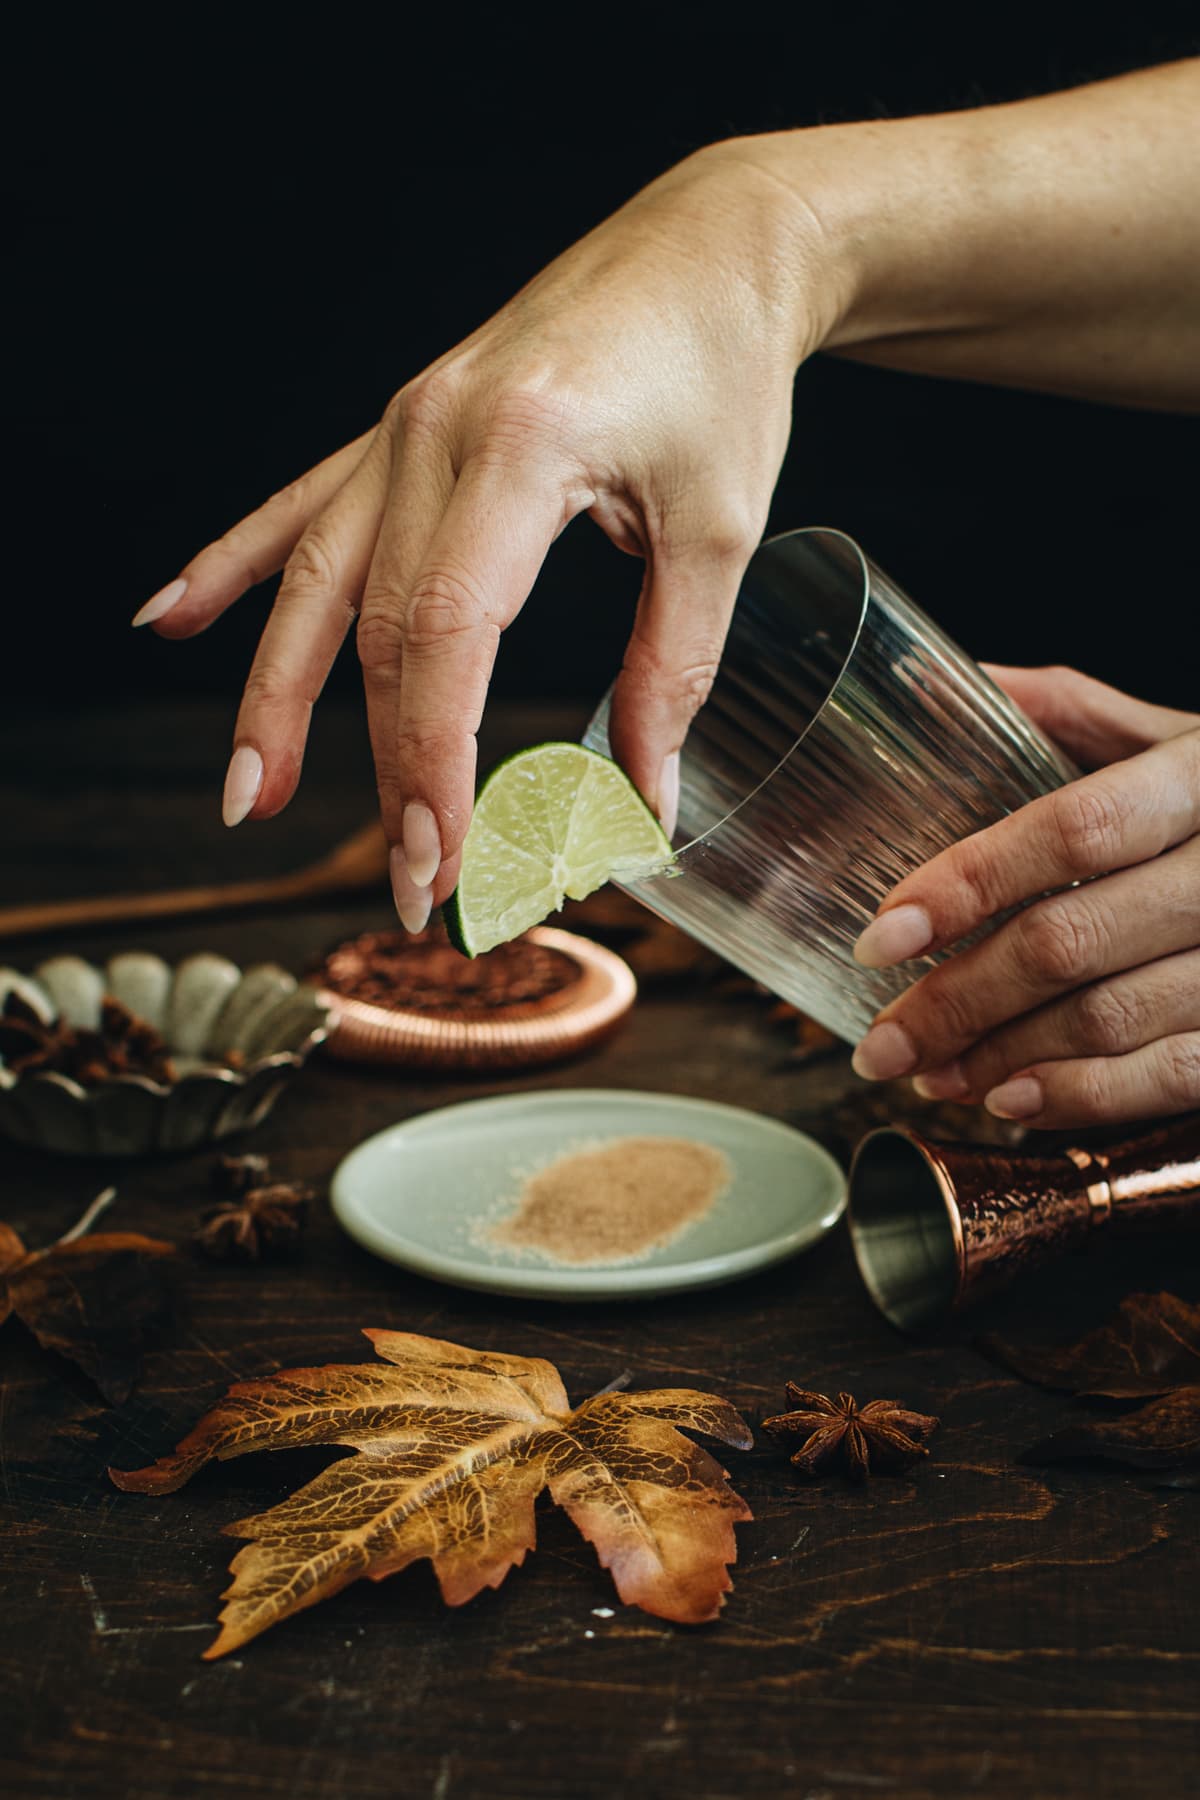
416,1192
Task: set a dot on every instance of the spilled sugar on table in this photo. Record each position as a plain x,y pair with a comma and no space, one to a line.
976,1627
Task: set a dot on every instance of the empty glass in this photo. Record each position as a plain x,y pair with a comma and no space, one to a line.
845,742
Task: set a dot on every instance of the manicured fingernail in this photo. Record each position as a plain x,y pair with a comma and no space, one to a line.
668,794
161,603
1020,1098
894,937
887,1050
422,844
946,1083
243,780
413,899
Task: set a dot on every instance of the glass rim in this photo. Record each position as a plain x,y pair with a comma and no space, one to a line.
864,601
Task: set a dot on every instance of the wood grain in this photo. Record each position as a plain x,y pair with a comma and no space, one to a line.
979,1628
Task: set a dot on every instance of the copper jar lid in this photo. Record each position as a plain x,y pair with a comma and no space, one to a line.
570,992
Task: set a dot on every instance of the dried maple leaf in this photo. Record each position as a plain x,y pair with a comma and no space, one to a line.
456,1445
1150,1347
92,1299
1162,1435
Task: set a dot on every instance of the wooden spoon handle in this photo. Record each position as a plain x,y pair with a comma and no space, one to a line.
114,909
359,861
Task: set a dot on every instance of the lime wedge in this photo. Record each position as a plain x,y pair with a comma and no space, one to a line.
552,823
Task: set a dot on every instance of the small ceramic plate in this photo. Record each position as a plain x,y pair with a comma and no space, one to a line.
423,1192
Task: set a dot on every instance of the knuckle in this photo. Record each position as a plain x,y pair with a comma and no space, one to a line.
686,685
691,685
528,411
723,533
1058,941
1063,675
380,641
425,742
977,875
732,537
311,566
1181,1058
952,1008
1109,1019
427,405
1090,820
443,605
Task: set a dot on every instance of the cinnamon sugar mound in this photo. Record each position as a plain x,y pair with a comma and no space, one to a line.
616,1203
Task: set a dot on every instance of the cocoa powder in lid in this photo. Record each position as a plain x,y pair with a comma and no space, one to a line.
416,1001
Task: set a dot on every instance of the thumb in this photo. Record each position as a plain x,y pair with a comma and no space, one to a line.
1093,722
671,662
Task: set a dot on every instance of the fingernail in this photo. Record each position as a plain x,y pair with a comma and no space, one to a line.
887,1050
1020,1098
946,1083
413,899
243,779
422,844
161,603
668,794
894,937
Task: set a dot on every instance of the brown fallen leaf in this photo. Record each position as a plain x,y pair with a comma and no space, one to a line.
1150,1347
91,1299
1162,1435
456,1445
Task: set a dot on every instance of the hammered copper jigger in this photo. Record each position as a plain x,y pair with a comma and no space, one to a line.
935,1227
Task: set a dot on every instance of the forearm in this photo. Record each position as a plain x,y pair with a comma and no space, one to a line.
1053,243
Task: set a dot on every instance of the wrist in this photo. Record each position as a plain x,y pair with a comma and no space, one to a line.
797,266
888,222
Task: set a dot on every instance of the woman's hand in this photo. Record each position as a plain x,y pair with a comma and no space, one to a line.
1084,1007
644,378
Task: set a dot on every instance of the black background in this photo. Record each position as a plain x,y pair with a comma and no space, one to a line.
237,234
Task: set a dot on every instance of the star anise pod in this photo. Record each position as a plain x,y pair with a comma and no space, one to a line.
863,1439
122,1044
27,1042
260,1224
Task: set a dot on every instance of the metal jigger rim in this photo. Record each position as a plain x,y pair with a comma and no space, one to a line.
909,1316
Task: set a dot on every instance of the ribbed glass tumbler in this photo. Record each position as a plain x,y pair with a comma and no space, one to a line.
845,742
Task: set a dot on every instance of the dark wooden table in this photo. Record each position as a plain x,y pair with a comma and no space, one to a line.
982,1628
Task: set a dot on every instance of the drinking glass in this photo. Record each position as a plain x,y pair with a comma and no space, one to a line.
846,740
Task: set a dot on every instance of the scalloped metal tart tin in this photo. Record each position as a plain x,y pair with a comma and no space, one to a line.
206,1008
496,1037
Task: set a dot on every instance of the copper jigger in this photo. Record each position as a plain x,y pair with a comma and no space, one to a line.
937,1226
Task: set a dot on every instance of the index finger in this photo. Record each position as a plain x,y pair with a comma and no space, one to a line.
428,652
1121,815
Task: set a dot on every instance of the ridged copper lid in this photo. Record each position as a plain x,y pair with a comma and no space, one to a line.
496,1037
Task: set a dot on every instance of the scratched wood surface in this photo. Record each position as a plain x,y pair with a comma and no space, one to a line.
983,1628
